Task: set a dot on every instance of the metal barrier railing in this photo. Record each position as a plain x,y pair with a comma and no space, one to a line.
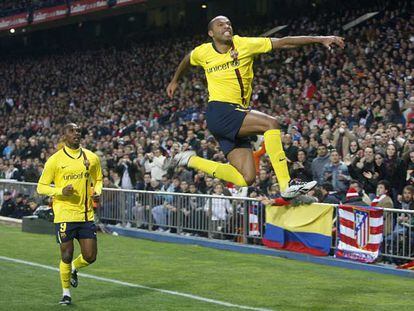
222,217
234,218
398,241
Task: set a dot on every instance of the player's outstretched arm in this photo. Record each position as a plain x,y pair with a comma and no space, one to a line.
181,69
297,41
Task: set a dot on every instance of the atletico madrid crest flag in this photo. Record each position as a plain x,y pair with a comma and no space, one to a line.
360,233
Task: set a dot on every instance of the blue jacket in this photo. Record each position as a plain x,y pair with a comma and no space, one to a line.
318,165
333,171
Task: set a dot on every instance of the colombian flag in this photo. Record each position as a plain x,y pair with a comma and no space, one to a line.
303,228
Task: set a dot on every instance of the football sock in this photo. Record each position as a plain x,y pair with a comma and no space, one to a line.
226,172
79,262
274,149
65,270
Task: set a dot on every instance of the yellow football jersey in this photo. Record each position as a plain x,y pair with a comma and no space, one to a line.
82,169
230,80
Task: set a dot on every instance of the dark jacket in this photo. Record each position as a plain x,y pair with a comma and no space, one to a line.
132,171
395,173
332,198
7,208
304,174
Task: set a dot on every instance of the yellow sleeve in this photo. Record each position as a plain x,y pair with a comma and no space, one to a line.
195,57
257,45
48,177
96,175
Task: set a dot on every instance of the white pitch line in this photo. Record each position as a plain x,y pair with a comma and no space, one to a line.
165,291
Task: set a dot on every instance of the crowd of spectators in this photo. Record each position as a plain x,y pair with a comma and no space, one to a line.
347,116
17,205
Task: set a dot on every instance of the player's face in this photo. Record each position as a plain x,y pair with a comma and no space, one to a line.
221,30
73,135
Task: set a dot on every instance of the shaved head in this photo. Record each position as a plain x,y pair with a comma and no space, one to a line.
72,135
69,126
210,24
220,30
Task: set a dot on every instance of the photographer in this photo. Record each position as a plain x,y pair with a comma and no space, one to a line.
154,164
127,170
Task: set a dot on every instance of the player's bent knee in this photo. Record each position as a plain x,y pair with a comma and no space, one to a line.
90,258
272,123
67,258
250,179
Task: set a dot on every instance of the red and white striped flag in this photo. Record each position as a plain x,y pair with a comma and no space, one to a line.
377,199
254,229
360,233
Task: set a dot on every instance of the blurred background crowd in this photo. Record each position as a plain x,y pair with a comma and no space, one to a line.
347,116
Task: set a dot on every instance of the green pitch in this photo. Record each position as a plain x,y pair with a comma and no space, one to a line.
254,281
